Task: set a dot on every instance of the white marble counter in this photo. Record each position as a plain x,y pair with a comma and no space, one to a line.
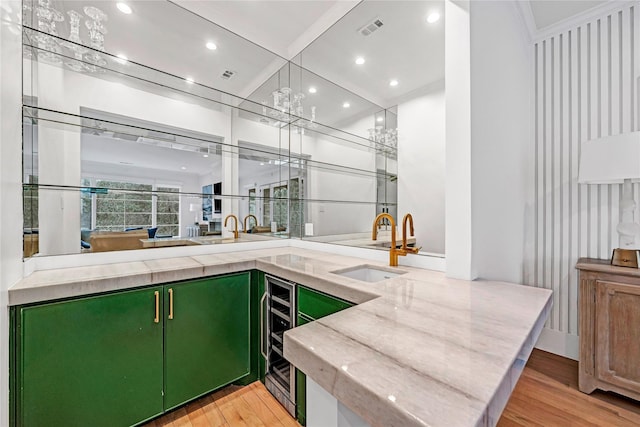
419,349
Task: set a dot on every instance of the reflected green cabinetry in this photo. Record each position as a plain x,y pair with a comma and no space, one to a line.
91,361
312,305
108,360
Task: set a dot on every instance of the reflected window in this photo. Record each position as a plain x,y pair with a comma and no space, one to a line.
168,211
266,206
116,206
252,201
122,210
280,206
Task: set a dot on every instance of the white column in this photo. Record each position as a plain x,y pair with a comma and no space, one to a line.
58,164
10,178
458,145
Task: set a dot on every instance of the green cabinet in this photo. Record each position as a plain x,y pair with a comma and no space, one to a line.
123,358
315,305
312,305
91,361
207,336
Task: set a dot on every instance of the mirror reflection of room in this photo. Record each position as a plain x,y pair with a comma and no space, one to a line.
157,153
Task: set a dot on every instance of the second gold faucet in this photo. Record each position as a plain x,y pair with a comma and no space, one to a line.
394,252
235,231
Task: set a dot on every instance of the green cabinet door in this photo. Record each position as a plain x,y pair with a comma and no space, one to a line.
207,340
90,362
312,305
316,305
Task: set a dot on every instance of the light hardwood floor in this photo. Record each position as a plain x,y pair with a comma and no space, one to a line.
546,395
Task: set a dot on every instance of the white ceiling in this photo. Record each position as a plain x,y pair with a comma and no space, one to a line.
406,48
274,24
165,36
550,12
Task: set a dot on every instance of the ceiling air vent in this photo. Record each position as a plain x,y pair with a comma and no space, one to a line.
371,27
228,74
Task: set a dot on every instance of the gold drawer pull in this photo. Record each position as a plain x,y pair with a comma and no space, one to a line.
170,304
157,318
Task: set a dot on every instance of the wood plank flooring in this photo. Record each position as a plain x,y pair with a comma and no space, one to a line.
546,395
234,406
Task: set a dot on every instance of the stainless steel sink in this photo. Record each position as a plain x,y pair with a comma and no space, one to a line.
369,273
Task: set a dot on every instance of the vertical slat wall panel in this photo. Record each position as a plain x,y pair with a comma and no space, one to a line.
556,185
574,235
586,86
547,168
565,179
539,155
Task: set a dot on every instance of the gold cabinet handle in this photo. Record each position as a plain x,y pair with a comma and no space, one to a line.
170,304
157,318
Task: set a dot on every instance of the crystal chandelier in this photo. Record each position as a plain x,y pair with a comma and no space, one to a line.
51,48
286,104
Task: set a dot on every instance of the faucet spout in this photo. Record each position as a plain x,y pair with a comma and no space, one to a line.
235,231
244,223
408,218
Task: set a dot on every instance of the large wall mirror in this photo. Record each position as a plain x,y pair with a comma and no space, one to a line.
132,141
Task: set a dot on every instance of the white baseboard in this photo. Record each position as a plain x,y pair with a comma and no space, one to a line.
559,343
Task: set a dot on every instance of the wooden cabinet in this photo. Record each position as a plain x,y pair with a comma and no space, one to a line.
123,358
609,308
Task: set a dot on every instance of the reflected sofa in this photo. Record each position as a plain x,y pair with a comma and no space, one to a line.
104,241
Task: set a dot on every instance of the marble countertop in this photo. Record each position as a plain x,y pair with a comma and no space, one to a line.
419,349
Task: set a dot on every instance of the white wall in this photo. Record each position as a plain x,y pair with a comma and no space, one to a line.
586,86
10,180
59,159
501,139
421,162
331,218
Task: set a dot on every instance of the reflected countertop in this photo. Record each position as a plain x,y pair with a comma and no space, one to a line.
418,349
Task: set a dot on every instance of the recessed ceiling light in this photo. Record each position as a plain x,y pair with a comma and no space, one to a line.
433,17
393,82
211,46
312,89
346,105
360,60
189,80
262,163
205,155
380,119
124,8
183,168
122,59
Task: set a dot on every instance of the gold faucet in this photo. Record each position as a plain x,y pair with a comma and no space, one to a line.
393,251
235,232
244,227
408,217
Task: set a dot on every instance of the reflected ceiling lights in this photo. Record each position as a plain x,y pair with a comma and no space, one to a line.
360,60
346,105
393,83
433,18
189,80
312,89
122,59
183,168
211,46
124,8
380,119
